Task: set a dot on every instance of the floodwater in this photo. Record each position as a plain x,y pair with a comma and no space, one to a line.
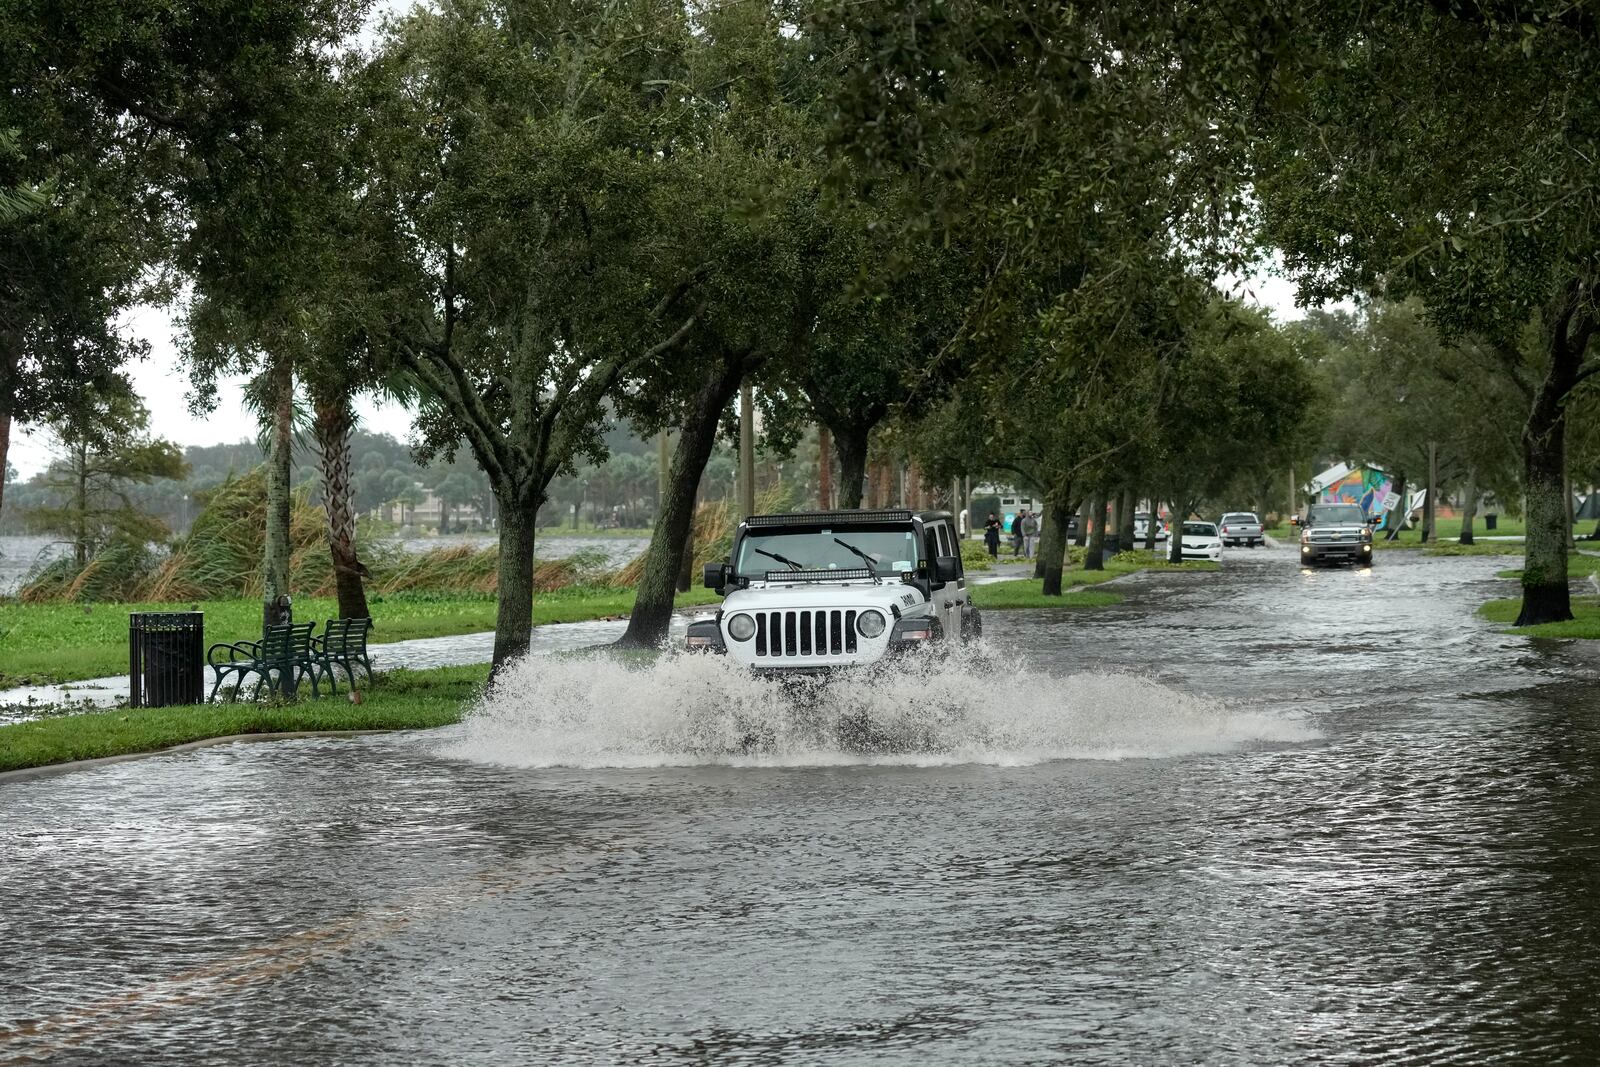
1261,816
19,554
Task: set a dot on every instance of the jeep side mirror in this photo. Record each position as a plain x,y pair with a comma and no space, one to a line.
716,576
946,568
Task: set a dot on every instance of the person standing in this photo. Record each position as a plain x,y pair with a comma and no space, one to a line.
991,535
1030,534
1016,533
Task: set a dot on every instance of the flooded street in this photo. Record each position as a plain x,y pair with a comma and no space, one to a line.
1259,816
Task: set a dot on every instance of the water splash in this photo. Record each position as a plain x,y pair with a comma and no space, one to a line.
976,707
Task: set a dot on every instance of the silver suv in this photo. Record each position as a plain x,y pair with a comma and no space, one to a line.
1335,533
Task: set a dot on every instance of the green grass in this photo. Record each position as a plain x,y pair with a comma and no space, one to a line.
1450,548
1585,624
1579,565
397,700
1024,592
48,643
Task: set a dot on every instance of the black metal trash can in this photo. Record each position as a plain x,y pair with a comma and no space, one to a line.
1491,521
166,658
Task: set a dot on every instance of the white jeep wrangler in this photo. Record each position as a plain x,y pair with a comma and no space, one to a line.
817,590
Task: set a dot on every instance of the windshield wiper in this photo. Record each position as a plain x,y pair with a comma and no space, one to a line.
791,564
872,564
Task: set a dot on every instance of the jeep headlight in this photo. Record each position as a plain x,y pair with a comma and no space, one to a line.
741,627
870,623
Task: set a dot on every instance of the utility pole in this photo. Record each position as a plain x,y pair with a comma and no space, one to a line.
662,459
1294,507
747,451
824,468
1430,515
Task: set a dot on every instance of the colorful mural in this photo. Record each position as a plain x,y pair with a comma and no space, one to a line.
1366,486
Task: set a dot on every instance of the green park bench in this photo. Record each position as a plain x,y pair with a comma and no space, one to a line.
281,660
343,644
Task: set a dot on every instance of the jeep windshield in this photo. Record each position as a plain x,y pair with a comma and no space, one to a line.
1337,515
893,550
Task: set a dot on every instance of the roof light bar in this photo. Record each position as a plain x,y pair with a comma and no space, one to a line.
831,518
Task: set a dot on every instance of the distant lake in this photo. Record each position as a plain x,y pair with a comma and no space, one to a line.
18,555
618,551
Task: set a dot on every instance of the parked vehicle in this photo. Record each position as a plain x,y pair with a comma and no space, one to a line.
1335,533
1141,528
1243,528
1201,541
818,590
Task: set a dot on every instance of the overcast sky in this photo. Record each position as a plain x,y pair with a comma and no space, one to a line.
163,382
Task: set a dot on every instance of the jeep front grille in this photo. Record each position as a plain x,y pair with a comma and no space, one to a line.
805,633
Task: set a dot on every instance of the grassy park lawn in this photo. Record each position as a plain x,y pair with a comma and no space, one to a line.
1586,621
1024,592
398,700
1579,565
46,643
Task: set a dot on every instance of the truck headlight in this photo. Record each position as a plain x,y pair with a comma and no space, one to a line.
1305,535
870,623
741,627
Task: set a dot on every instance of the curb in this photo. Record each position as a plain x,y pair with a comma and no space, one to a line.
23,773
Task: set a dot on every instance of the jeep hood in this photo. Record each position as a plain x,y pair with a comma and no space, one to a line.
803,596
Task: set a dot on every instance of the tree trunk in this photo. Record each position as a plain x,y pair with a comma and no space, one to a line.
1469,506
1046,533
686,568
334,419
5,451
1113,542
1053,542
1092,559
80,504
1175,535
652,607
10,360
1545,597
1130,501
1566,498
275,565
1151,525
850,444
513,623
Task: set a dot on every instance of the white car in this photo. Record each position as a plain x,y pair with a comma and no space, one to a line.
1201,541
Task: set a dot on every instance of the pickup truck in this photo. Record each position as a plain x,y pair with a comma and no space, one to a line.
1335,533
1243,528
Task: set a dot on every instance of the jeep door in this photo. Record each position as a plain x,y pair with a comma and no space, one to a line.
951,597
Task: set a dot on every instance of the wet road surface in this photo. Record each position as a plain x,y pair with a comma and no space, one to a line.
1261,816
